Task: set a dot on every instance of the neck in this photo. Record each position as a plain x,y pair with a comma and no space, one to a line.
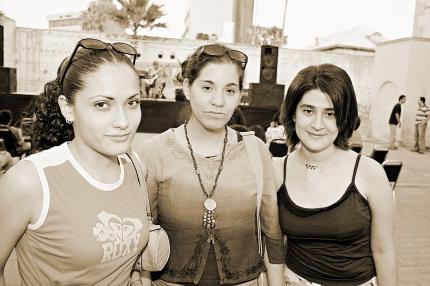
317,158
199,133
103,168
204,141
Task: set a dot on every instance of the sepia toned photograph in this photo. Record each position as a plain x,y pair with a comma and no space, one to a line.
215,142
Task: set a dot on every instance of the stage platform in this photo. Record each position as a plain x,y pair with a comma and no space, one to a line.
157,115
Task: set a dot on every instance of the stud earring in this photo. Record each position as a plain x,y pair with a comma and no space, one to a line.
68,121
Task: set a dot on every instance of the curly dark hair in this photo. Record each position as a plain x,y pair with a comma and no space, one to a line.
192,66
50,127
329,79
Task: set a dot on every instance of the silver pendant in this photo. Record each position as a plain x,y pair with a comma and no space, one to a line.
210,204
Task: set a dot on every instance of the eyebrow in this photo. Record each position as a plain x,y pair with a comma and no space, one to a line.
112,98
211,82
311,106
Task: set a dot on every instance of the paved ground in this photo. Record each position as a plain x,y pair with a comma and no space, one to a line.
412,218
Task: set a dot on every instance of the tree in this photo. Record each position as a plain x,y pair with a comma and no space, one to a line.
258,35
138,14
96,16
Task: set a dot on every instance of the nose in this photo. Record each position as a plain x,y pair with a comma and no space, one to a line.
121,119
218,98
317,122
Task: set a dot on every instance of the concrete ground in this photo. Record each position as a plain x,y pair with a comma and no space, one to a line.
412,217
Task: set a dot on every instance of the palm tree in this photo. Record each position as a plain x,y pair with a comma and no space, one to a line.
138,14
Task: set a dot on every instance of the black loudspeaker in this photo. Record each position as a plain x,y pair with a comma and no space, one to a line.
7,80
1,46
266,95
268,64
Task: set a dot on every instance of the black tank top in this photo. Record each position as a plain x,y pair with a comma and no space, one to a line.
329,245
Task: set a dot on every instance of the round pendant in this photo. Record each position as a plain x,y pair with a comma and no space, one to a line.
210,204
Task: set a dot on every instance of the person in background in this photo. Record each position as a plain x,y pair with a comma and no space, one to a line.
6,160
75,212
335,206
202,186
6,122
394,120
421,119
275,130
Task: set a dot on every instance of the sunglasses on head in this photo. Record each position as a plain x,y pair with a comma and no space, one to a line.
94,44
219,51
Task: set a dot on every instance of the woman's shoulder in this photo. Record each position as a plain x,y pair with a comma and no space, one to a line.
156,142
370,176
370,167
21,180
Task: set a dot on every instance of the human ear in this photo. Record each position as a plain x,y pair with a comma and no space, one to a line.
66,108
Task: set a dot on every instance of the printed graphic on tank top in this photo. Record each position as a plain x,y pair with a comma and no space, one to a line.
88,232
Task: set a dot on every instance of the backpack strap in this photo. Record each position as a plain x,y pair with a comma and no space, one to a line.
255,159
141,179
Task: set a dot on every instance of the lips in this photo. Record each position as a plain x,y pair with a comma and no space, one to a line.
215,113
119,137
316,135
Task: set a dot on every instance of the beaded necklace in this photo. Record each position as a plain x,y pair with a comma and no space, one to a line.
209,204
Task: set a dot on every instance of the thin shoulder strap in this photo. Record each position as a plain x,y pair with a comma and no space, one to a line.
357,161
255,159
141,179
285,169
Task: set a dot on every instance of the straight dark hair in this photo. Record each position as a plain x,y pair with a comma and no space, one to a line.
337,84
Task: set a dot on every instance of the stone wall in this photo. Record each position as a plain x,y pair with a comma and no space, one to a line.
402,67
39,53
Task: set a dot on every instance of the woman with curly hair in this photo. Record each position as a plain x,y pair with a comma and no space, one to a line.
75,212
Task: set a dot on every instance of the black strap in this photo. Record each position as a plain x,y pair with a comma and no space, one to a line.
356,167
285,169
141,180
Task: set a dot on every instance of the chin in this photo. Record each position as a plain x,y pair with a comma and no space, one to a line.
215,125
117,149
314,146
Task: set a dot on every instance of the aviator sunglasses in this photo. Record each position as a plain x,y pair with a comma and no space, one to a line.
217,51
94,44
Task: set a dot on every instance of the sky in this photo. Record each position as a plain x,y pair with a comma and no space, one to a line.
304,21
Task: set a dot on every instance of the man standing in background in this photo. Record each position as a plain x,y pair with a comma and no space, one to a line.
421,118
394,120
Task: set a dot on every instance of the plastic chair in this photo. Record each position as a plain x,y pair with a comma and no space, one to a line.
392,168
278,147
379,153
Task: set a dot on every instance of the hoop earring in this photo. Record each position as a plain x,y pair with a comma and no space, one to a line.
68,121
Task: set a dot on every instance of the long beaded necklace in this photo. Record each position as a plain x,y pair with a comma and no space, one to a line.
209,204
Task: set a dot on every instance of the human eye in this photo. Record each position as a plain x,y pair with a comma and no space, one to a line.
330,114
307,110
231,91
134,103
207,88
101,105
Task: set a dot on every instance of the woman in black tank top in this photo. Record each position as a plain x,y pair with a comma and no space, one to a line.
335,207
